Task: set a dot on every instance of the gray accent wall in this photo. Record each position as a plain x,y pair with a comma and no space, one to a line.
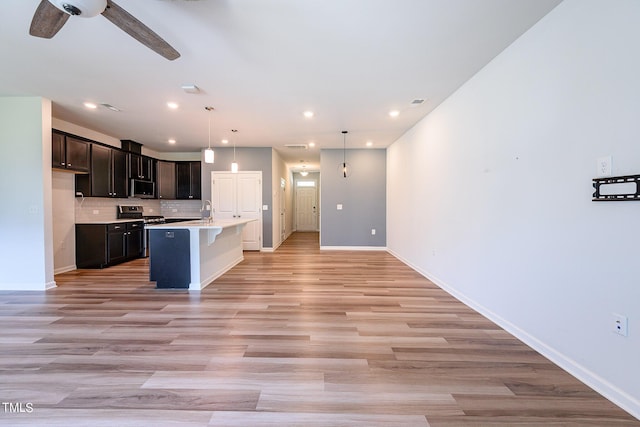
362,196
249,159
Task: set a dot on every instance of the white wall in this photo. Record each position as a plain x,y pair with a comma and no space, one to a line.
490,195
64,243
26,246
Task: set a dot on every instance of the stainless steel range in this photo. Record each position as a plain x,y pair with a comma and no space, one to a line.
137,212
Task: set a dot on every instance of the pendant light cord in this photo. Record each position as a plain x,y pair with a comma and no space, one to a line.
209,109
234,143
344,153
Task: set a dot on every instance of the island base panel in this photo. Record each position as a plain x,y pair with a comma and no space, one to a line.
170,260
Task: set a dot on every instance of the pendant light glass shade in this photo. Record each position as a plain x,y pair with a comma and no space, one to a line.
208,155
208,152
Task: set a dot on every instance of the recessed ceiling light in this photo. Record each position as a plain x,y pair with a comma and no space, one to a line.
369,144
90,105
225,141
312,144
172,105
171,141
308,114
394,113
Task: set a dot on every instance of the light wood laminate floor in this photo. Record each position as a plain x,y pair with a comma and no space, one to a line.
297,337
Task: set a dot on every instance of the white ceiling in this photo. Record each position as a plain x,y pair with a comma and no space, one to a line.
260,64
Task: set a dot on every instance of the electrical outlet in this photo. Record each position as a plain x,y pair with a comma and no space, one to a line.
620,324
373,231
604,166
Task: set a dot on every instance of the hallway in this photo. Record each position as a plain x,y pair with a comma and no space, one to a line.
296,337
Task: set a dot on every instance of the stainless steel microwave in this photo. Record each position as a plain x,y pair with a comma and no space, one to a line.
142,189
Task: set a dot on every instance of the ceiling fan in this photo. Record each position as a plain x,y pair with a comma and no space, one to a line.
51,15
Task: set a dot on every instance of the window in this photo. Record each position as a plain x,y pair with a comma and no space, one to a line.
305,183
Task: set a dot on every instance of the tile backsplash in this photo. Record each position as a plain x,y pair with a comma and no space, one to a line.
105,209
180,208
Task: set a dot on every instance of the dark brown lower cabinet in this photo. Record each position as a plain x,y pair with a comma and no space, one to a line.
102,245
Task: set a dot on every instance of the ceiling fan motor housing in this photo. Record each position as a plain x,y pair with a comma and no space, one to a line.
83,8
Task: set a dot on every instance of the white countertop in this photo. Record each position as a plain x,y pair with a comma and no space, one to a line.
109,221
201,224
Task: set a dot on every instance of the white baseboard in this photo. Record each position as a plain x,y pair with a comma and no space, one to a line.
605,388
353,248
64,269
27,286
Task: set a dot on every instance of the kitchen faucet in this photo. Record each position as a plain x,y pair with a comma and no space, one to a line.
206,211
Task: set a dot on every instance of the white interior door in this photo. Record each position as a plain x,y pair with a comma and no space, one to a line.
239,195
306,209
282,203
249,205
223,195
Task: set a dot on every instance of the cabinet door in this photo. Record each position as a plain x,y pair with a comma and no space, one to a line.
77,154
188,180
146,168
166,180
134,239
140,167
91,246
195,180
134,165
57,151
100,172
116,245
183,180
119,174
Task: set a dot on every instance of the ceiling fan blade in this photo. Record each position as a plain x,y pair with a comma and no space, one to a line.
136,29
47,20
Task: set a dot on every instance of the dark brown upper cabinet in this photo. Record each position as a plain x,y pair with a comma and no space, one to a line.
166,180
188,180
108,177
69,153
140,167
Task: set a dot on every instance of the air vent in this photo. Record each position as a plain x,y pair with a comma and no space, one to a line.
111,107
417,101
296,146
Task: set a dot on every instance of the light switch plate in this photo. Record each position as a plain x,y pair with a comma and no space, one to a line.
265,207
339,207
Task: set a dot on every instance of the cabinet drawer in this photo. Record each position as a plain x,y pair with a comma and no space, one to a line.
116,227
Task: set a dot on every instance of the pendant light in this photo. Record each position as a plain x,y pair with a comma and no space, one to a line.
208,152
234,164
344,168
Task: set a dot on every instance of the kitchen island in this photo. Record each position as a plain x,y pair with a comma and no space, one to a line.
192,254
